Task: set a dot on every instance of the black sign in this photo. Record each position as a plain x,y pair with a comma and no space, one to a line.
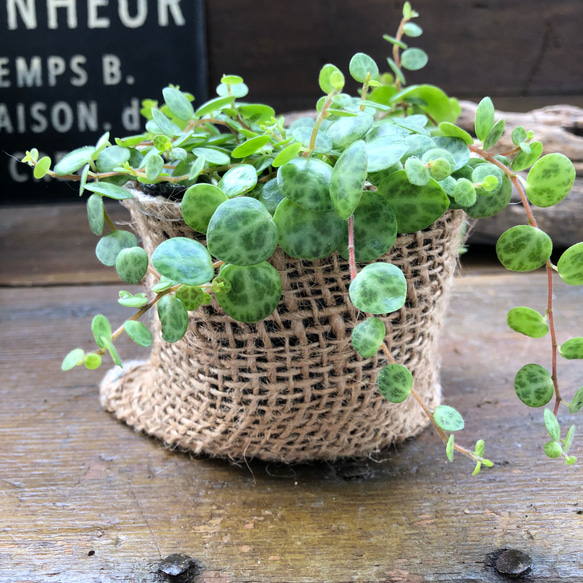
71,70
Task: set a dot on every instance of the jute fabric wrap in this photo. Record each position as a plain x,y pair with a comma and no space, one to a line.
290,388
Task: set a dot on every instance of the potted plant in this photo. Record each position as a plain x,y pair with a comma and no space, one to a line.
299,273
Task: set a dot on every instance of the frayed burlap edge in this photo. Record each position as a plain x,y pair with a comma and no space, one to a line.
290,388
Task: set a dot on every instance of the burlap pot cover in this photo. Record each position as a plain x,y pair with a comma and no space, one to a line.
290,388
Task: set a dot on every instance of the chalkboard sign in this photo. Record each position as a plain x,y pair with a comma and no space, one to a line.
71,70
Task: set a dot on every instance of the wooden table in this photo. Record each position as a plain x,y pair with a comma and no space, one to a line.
84,498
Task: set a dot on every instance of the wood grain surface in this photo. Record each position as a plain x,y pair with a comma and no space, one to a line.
84,498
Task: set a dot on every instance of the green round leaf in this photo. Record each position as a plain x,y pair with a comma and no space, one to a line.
306,181
303,134
254,293
524,248
375,228
154,167
572,349
225,90
417,172
138,333
412,30
330,79
132,264
269,195
464,193
178,103
199,203
111,158
73,359
347,179
395,382
384,152
346,130
212,155
191,296
416,207
74,160
524,160
448,418
42,167
362,65
489,203
450,130
570,265
484,118
242,232
367,337
129,300
553,449
414,59
533,385
183,260
110,246
92,361
256,113
577,402
379,288
456,148
101,328
306,234
173,317
238,180
550,180
95,214
528,322
440,169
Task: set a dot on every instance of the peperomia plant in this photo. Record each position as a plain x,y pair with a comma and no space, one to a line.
387,159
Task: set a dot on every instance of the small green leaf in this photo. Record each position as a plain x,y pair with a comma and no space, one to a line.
524,160
494,135
101,328
347,179
518,135
450,130
173,318
379,288
570,460
199,203
362,65
286,155
212,156
450,447
108,345
164,124
568,441
448,419
129,300
42,167
553,449
95,214
138,333
74,160
331,79
178,103
464,193
480,448
109,190
524,248
417,172
254,293
412,30
533,385
250,146
414,59
572,348
73,359
367,336
110,246
570,265
395,382
92,361
132,264
550,180
477,468
577,402
154,167
484,118
528,322
231,79
191,296
183,260
552,425
214,105
238,180
306,181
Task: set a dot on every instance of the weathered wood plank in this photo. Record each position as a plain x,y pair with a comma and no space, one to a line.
86,499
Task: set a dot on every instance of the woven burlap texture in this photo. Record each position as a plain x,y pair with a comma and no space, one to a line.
290,388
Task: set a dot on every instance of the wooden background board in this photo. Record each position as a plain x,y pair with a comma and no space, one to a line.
524,53
85,498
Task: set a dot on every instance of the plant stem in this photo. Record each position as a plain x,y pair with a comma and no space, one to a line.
108,220
318,123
